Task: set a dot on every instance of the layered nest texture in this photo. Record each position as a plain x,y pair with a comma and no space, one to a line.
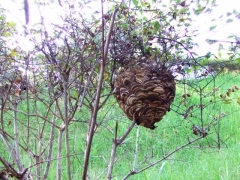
145,93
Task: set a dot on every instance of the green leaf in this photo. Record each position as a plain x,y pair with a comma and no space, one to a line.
139,7
11,24
6,34
156,25
205,60
143,4
124,26
238,101
219,54
227,101
182,20
229,20
212,27
146,50
231,36
135,2
188,71
238,60
13,52
183,10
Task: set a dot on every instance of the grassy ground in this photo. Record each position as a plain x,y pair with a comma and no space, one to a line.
215,157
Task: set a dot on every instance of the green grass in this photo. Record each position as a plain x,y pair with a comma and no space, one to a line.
201,160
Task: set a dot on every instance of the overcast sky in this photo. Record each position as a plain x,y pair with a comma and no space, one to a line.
202,22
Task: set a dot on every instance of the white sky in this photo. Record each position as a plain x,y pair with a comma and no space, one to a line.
202,22
223,29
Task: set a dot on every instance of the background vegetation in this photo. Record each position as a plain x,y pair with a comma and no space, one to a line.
59,119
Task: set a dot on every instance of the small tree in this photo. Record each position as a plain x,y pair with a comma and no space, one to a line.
69,77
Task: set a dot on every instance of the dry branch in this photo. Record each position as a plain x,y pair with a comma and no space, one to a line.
163,158
98,94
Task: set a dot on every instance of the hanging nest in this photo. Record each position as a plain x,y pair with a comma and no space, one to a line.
145,93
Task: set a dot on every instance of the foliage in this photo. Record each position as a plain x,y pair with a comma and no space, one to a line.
56,96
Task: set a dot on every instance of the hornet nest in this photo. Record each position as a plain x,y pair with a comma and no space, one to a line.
145,93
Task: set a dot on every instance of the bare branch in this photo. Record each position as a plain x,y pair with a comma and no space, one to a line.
116,143
26,9
160,160
49,156
96,103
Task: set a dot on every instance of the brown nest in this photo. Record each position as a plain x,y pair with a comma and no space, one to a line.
145,94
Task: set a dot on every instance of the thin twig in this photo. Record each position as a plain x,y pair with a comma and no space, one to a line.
98,94
116,143
86,85
66,122
113,154
160,160
45,174
59,152
136,150
120,140
16,140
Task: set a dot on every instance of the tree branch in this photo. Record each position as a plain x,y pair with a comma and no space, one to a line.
160,160
98,94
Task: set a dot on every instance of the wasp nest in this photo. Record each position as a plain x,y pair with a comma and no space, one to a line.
145,94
